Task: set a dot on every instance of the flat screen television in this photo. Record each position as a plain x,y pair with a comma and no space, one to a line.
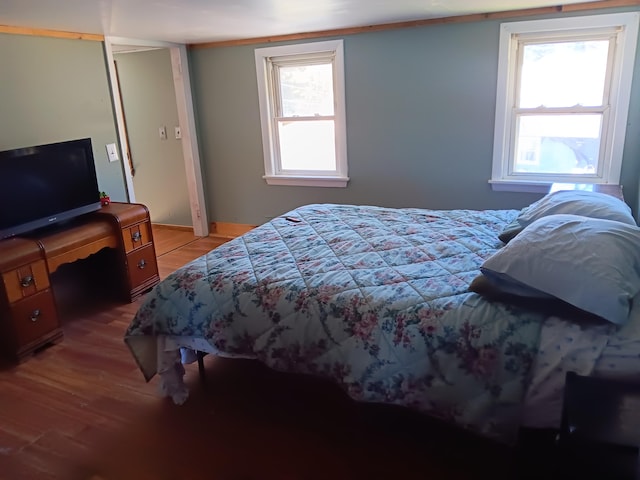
46,184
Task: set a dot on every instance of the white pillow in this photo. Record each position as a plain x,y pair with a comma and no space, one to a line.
593,264
574,202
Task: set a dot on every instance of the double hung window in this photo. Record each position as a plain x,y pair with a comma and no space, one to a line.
562,100
302,110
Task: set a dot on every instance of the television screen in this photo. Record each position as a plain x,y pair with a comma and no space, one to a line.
46,184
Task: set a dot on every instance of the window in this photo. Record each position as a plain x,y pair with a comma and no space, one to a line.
302,112
562,100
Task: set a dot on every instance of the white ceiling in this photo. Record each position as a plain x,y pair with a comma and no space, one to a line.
197,21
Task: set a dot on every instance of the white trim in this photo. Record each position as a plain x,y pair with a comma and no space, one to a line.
571,23
531,187
306,181
273,174
511,186
139,42
190,152
621,87
620,91
340,112
117,110
186,117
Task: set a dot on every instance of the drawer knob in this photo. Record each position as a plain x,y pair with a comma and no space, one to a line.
142,264
136,236
26,281
34,315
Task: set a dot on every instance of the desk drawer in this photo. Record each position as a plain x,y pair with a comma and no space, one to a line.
34,317
142,265
26,280
136,236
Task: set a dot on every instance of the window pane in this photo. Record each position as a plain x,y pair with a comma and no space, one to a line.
307,145
306,90
563,74
565,144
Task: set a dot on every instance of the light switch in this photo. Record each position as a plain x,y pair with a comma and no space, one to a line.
112,152
163,133
178,133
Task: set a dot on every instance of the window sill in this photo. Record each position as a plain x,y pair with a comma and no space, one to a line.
307,181
515,186
546,187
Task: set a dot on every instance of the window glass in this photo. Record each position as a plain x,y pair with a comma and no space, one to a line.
563,74
306,90
307,145
566,144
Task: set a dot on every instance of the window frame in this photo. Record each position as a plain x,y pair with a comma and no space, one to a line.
269,97
616,106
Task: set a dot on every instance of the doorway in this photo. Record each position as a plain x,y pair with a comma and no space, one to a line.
148,129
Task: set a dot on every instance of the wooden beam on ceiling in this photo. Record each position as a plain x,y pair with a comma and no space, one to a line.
42,32
576,7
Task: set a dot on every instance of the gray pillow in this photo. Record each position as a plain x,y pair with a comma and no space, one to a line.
573,202
590,263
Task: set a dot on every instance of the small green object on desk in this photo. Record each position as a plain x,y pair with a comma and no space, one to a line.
104,198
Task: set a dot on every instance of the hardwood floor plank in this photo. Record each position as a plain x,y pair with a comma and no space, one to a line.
17,427
173,260
15,468
43,415
10,443
166,239
45,462
81,410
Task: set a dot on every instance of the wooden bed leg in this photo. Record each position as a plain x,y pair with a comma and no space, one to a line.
200,355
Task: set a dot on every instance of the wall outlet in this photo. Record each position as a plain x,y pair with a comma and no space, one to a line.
112,152
162,131
178,133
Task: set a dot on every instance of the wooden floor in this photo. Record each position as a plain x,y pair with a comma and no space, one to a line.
81,410
174,247
167,239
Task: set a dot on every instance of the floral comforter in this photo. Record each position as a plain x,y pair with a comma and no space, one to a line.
373,298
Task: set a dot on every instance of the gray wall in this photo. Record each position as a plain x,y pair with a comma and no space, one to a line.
56,89
146,84
420,115
420,111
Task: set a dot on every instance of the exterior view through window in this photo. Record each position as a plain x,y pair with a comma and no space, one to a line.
560,106
305,121
302,114
562,100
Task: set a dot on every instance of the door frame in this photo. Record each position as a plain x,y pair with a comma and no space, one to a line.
186,118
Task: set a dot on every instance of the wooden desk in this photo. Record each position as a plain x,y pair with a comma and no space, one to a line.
28,313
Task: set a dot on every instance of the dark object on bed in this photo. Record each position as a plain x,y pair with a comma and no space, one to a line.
549,305
600,430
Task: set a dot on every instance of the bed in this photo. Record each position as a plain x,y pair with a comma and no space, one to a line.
426,309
